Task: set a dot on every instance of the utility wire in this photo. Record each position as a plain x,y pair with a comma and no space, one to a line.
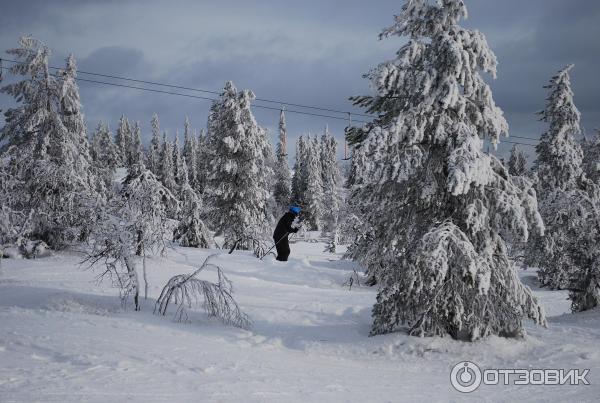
516,142
254,105
206,98
212,99
202,90
524,138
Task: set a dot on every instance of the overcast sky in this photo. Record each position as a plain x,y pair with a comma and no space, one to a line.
309,52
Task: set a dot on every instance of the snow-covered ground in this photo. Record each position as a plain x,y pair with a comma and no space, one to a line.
65,338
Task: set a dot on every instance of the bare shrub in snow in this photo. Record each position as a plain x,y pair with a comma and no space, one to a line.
186,291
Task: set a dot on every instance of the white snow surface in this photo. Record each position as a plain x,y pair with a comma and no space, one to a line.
64,338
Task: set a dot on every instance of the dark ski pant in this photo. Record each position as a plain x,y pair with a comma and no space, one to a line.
283,249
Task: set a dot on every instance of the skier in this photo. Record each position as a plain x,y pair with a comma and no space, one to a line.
282,230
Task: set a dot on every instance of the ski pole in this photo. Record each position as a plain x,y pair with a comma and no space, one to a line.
267,252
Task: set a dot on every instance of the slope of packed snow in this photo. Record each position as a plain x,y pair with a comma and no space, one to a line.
65,338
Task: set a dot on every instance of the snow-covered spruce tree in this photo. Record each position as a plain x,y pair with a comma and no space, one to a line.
105,159
567,256
191,230
358,164
148,201
189,153
331,178
44,141
123,141
153,161
299,177
167,172
239,174
136,151
201,162
591,158
15,222
517,163
437,204
177,161
517,168
133,224
74,122
559,155
354,229
73,119
313,198
283,176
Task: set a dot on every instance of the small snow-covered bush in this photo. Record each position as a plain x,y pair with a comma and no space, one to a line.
133,224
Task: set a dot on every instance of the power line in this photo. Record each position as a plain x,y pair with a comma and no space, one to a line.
202,90
206,98
516,142
212,99
523,138
257,106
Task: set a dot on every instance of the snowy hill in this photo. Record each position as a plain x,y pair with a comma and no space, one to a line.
64,338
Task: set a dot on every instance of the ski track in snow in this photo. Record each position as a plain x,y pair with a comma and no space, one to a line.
64,338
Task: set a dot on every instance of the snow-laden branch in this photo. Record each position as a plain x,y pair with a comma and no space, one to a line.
185,291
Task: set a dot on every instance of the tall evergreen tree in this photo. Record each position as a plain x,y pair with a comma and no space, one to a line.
45,142
517,163
104,159
167,172
354,228
559,155
437,204
358,164
201,161
189,153
177,161
191,231
136,154
591,158
567,256
331,178
313,198
299,178
123,141
73,119
283,176
153,162
239,173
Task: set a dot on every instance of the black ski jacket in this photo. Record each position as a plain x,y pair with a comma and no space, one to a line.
284,226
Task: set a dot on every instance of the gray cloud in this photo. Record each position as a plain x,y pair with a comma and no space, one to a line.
311,52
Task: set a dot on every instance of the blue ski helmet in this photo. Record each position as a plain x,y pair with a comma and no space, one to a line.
295,209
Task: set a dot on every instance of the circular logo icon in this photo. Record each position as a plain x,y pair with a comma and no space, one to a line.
465,377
